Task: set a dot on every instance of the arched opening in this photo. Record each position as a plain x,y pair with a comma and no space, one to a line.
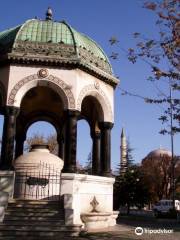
42,100
84,147
39,104
99,99
88,129
38,172
92,110
57,85
42,132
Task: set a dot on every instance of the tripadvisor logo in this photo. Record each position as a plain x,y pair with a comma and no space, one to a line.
138,231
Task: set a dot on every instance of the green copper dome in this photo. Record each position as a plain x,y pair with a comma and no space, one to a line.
57,32
53,42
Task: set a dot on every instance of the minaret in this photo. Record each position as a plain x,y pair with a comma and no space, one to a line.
123,160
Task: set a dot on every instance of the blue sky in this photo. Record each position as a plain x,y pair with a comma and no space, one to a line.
101,20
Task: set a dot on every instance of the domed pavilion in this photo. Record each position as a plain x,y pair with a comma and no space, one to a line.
44,61
51,72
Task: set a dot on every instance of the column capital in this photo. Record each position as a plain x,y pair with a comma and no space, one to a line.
106,125
95,134
72,113
11,110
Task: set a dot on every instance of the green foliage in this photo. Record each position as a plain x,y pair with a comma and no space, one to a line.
130,189
88,165
130,158
37,138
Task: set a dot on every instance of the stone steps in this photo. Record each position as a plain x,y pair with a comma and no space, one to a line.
35,228
34,206
33,214
37,238
19,233
31,210
30,218
34,203
27,219
48,222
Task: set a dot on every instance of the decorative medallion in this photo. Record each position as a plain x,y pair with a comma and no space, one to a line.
96,85
43,73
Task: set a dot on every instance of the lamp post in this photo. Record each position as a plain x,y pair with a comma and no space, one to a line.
159,74
172,145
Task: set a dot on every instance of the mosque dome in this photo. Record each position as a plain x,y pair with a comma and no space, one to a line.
157,154
54,43
160,152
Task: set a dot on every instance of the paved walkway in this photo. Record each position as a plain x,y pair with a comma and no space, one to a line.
122,232
125,230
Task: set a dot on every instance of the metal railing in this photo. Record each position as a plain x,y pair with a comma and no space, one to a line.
38,182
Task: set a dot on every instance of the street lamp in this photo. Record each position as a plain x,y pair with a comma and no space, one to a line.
172,144
159,74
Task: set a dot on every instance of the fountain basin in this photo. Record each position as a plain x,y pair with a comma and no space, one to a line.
98,220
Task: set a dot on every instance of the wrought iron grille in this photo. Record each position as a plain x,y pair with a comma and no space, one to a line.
38,182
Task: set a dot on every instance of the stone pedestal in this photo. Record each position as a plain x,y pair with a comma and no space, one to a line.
79,191
38,174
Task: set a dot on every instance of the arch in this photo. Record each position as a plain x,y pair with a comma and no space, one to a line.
37,129
41,122
48,118
91,90
24,85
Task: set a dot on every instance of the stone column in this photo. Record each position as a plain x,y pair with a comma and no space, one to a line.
96,153
20,138
60,141
70,141
9,129
105,161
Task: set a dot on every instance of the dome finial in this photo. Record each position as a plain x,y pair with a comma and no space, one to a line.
49,14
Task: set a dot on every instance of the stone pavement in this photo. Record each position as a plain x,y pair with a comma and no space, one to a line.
125,230
122,232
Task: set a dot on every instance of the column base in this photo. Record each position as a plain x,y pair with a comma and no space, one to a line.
6,168
106,174
69,170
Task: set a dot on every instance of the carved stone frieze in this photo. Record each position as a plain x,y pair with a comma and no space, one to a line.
56,51
60,83
91,90
47,49
93,60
